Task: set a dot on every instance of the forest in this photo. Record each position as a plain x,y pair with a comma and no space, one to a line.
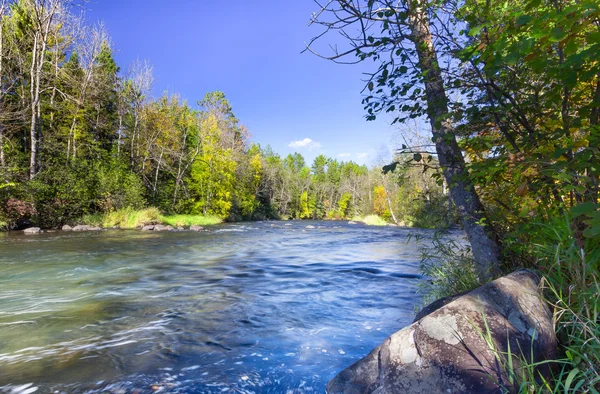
80,136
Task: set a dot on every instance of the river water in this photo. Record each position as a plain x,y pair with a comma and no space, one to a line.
271,307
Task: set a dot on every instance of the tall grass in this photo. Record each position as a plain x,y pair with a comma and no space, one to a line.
124,218
128,218
371,220
190,220
448,266
572,287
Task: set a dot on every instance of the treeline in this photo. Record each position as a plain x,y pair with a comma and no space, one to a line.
80,136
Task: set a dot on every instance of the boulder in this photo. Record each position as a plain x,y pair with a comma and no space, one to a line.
196,228
66,227
310,226
160,227
447,350
352,222
32,230
149,227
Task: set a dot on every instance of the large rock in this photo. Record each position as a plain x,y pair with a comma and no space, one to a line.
446,351
32,230
66,227
196,228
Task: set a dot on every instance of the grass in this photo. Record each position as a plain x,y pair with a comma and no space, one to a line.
128,218
448,266
190,220
572,288
371,220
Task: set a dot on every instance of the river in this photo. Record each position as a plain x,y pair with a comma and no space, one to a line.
265,307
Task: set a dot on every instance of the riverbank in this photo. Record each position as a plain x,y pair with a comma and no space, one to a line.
129,218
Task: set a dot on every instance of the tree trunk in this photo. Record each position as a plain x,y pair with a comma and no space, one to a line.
484,243
2,159
34,95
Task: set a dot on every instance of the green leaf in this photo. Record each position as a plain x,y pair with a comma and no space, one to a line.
570,378
584,208
523,20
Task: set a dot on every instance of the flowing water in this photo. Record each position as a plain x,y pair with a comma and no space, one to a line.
268,307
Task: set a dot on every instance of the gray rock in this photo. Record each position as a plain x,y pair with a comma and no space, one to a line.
149,227
445,351
32,230
86,227
179,228
169,228
196,228
310,226
160,227
352,222
66,227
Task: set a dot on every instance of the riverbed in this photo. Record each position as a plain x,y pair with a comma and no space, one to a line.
261,307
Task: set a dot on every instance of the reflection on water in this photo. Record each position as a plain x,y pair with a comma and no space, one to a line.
260,307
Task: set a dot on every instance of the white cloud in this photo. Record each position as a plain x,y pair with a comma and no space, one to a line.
306,143
345,155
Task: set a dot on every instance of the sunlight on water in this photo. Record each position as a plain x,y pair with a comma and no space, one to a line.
263,307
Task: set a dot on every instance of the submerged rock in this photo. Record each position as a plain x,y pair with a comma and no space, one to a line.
32,230
446,351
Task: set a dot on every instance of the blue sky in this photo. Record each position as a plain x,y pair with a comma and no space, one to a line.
250,50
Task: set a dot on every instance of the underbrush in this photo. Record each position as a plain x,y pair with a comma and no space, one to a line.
131,218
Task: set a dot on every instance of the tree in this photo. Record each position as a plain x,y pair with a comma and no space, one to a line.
398,36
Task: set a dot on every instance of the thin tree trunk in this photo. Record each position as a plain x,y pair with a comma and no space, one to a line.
155,188
484,244
120,133
2,160
33,124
